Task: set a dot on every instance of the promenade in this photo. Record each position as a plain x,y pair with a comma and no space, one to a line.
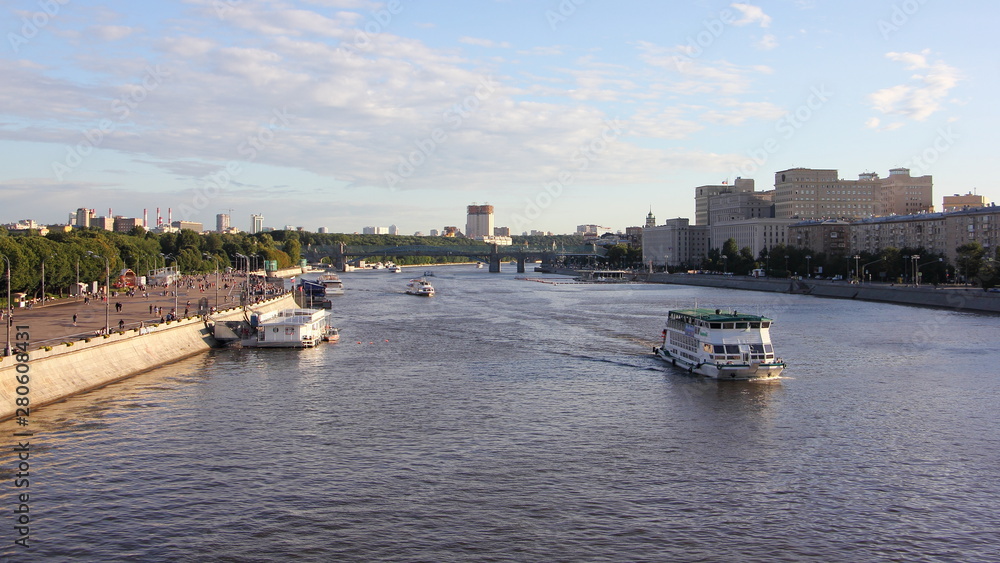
53,323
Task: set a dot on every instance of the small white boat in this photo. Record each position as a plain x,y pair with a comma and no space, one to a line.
331,334
420,287
720,345
394,269
479,265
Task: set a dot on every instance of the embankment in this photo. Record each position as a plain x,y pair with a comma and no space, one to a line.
81,365
960,299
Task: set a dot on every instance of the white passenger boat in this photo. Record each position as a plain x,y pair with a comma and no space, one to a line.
288,328
394,269
331,283
720,345
421,287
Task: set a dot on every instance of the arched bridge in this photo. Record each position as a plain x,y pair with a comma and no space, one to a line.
492,254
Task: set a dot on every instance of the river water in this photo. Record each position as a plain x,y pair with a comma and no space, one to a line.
510,420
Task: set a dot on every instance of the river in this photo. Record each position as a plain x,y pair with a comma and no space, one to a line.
511,420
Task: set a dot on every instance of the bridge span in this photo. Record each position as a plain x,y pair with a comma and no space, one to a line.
340,254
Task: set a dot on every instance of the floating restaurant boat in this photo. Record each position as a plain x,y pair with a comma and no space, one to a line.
289,328
420,287
720,345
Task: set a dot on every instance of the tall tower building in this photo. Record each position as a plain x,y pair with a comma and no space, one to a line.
902,194
704,194
222,223
650,220
256,224
480,221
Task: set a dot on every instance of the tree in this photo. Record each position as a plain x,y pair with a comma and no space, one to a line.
970,259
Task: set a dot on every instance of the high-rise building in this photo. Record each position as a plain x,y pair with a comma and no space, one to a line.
959,202
675,243
256,224
83,217
902,194
650,219
126,224
704,194
501,231
480,221
222,223
813,194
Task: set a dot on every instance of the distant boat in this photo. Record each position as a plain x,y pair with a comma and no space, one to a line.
394,269
420,287
428,274
479,265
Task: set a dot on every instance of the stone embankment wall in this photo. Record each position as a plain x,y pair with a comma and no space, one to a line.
924,296
67,370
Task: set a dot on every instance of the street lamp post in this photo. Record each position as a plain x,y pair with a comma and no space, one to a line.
808,267
905,260
915,270
865,267
725,264
787,273
107,291
10,310
924,264
43,279
857,269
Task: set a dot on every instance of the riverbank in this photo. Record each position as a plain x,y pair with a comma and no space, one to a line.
52,373
957,298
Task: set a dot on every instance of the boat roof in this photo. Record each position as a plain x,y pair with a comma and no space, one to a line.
717,315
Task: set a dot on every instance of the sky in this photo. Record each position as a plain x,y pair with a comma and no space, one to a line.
351,113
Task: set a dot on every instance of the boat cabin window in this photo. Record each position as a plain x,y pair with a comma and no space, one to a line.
732,349
720,349
742,326
727,325
768,348
755,324
765,324
757,348
715,325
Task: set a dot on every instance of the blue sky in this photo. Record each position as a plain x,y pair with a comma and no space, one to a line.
349,113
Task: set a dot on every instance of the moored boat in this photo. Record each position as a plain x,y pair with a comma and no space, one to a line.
720,345
289,328
331,283
420,287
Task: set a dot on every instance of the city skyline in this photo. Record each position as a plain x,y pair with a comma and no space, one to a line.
347,113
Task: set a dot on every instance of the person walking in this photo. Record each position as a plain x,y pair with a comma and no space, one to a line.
74,319
121,324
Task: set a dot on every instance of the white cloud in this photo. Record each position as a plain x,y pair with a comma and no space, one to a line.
484,42
767,42
926,92
111,32
751,14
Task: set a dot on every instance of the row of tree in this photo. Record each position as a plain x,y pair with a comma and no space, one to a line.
79,255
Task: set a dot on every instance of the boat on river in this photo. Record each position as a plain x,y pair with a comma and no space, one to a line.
720,345
288,328
420,287
331,283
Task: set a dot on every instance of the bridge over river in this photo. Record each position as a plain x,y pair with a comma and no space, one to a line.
341,254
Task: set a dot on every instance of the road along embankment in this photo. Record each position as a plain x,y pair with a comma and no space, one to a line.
45,376
959,299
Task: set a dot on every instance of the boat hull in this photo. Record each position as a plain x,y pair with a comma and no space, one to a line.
724,371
